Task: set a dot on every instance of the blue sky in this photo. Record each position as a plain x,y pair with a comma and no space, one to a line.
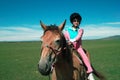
19,19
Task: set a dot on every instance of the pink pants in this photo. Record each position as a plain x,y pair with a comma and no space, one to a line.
85,60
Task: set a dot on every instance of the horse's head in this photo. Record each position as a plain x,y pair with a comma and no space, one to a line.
52,45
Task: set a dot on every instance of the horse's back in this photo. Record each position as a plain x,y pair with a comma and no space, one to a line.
79,71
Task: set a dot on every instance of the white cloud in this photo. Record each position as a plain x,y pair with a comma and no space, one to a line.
33,32
100,31
112,23
19,33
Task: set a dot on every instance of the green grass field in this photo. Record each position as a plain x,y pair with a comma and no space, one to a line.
18,60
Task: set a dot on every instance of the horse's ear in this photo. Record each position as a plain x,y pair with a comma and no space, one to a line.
43,25
61,27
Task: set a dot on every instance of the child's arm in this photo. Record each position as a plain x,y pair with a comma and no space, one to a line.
80,33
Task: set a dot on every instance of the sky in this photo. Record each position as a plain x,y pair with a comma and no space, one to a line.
20,19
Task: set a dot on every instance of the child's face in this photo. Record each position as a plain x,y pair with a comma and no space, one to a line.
76,23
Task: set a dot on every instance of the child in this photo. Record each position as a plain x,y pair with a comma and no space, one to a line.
74,35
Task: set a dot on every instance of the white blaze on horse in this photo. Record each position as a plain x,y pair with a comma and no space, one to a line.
58,56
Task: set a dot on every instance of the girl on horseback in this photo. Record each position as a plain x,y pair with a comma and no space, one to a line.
74,35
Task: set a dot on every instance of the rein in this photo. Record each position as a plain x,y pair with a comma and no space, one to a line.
55,51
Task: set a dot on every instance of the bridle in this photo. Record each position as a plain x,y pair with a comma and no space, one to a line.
56,51
59,50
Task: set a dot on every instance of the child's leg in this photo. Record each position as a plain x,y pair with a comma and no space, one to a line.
85,60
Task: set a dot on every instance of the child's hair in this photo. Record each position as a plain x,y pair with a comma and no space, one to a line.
75,16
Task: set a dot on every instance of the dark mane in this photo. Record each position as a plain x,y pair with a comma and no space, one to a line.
52,27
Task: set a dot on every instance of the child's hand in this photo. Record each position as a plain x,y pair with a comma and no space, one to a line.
70,43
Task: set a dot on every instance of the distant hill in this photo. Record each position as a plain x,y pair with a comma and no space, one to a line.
112,37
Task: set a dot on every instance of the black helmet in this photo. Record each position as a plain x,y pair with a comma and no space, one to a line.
75,16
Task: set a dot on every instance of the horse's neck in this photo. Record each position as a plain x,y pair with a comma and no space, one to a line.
63,69
69,68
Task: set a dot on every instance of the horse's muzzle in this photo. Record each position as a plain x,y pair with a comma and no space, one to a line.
44,69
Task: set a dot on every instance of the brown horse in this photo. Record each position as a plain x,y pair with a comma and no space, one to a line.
58,58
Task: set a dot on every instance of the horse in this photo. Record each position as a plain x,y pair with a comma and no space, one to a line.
58,58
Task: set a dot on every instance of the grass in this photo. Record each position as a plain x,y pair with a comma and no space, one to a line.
18,60
105,56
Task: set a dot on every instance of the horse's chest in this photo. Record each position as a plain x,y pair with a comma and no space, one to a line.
62,74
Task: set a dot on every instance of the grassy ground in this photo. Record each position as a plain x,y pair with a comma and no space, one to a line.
18,60
105,56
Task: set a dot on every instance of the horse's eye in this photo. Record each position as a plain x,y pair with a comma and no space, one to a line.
57,41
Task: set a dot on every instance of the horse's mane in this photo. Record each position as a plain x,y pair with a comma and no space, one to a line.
51,28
